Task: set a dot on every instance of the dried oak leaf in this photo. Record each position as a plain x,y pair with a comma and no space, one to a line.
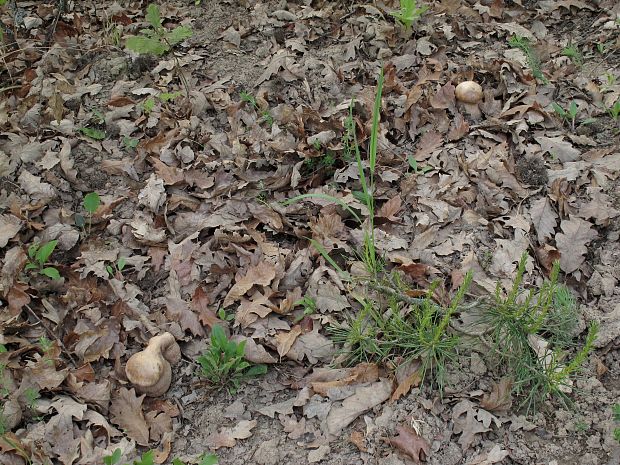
200,304
126,412
178,310
465,422
572,243
9,226
411,443
365,397
408,375
499,399
544,219
227,437
261,275
285,340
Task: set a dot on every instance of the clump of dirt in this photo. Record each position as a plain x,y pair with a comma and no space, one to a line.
531,170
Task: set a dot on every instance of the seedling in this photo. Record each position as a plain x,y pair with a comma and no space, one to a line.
130,143
616,413
222,315
265,114
93,133
309,306
409,12
531,335
223,364
116,268
413,163
567,115
614,111
574,54
148,458
157,39
533,62
90,203
38,256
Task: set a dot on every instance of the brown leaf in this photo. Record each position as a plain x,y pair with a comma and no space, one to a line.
178,310
466,424
458,128
429,142
544,219
408,375
200,304
444,98
411,443
365,397
126,412
358,438
9,227
335,378
260,275
227,437
547,255
390,208
285,340
499,399
572,243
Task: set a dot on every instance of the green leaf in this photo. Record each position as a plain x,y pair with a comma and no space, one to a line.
152,16
558,109
256,370
209,459
130,143
167,96
30,266
413,163
91,202
110,270
93,133
50,272
148,105
179,34
112,459
572,109
148,458
45,251
32,250
120,263
178,461
141,44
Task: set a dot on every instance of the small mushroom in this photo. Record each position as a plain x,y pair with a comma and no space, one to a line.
468,92
150,371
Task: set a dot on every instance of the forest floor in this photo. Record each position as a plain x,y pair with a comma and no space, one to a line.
192,153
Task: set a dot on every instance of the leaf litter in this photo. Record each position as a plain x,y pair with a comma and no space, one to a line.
191,176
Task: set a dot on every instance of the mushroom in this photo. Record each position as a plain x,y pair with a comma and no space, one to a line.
150,371
468,92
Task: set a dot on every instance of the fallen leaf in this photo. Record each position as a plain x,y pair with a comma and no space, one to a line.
126,412
227,437
544,219
499,399
9,227
572,243
364,398
466,424
260,275
411,443
285,340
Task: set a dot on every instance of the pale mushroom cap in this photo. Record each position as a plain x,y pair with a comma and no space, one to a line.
468,92
149,370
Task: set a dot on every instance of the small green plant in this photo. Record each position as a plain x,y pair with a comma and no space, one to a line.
574,54
567,115
157,39
532,334
222,315
309,306
614,111
533,62
115,269
413,164
93,133
38,255
616,414
130,143
409,12
265,114
148,458
91,203
31,396
223,364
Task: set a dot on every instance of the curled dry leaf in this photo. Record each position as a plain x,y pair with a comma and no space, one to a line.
411,443
499,399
